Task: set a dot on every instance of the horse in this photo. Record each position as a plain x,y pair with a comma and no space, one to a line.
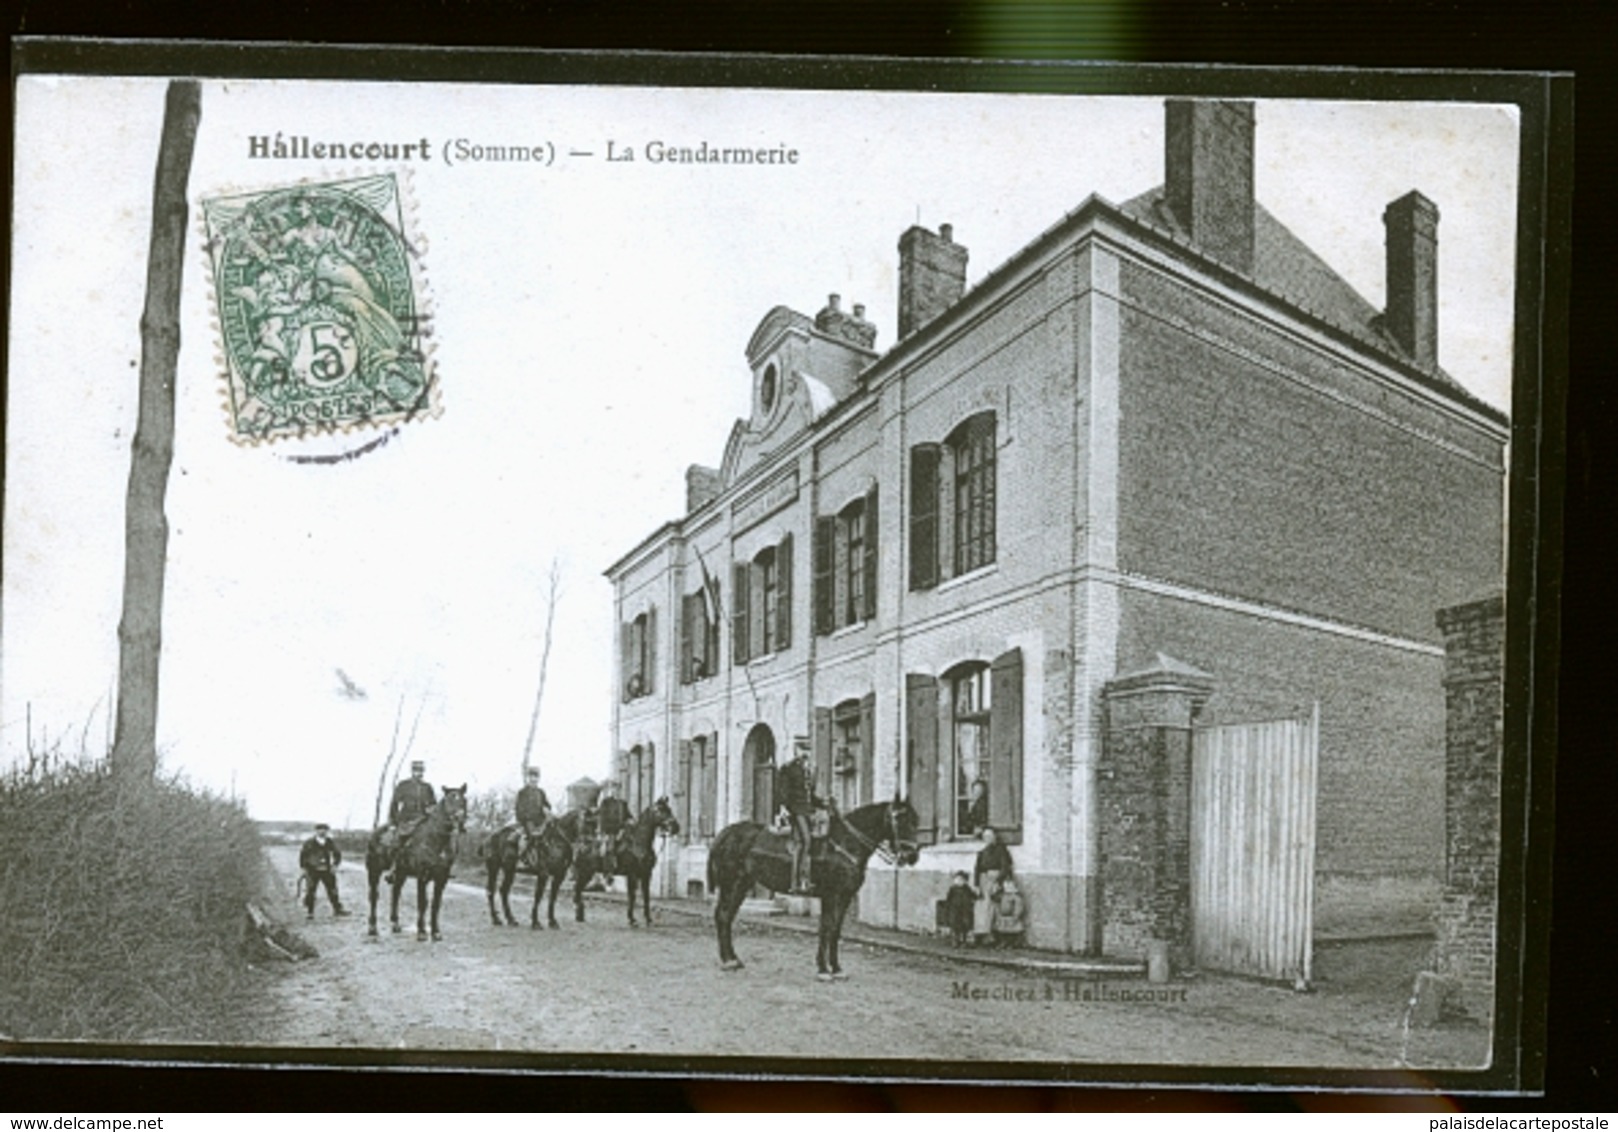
426,854
746,853
632,857
548,857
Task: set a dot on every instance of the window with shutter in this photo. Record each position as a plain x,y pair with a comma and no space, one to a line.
843,533
845,754
970,697
923,516
973,448
854,562
741,627
762,579
822,552
921,752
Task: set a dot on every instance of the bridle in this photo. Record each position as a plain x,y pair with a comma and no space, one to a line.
890,848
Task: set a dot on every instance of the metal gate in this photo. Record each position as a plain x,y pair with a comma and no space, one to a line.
1253,846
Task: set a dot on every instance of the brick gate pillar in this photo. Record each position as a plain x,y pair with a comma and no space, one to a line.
1144,804
1474,685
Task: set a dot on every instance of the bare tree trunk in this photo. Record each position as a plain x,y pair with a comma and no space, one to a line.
146,531
382,779
544,660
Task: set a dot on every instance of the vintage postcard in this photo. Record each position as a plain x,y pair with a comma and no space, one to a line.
974,576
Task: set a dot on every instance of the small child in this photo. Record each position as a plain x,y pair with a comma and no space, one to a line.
1009,915
958,908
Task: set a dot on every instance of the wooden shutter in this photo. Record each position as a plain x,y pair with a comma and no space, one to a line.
682,788
921,722
755,601
923,516
867,761
626,661
710,786
783,593
821,550
687,641
650,676
1005,744
740,635
822,741
622,774
869,612
839,585
648,775
711,649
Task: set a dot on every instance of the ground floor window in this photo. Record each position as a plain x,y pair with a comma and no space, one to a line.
697,787
844,741
963,749
637,777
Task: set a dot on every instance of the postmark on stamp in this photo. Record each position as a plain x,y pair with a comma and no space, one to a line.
320,309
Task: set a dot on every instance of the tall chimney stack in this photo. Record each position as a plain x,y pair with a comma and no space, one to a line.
932,276
1412,313
1208,182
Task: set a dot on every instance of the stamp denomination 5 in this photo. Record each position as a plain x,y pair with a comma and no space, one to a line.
319,308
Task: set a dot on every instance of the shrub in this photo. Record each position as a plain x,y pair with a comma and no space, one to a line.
124,906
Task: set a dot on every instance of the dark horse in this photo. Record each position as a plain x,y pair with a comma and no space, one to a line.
632,857
426,854
746,854
547,859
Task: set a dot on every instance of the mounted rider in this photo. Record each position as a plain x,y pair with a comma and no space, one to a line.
533,812
612,818
794,790
412,798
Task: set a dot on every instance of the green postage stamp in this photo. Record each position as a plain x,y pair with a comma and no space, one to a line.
320,309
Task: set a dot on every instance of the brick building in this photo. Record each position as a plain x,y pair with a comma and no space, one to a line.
1163,433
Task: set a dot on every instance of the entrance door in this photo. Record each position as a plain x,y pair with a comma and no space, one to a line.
1253,846
759,756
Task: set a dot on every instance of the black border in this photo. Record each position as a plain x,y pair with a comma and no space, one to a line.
1543,290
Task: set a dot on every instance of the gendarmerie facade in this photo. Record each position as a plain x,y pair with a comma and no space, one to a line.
1163,433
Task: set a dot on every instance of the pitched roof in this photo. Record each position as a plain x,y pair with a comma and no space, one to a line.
1286,267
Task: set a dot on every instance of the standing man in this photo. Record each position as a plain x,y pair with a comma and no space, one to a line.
319,859
794,791
533,812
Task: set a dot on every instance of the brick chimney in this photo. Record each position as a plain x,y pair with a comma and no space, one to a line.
1412,312
932,276
1208,176
853,328
702,487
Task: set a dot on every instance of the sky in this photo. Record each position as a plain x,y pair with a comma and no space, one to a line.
588,327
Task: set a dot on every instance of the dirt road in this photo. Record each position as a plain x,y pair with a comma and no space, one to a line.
602,987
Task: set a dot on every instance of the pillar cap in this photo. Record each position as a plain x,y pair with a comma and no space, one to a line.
1164,674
